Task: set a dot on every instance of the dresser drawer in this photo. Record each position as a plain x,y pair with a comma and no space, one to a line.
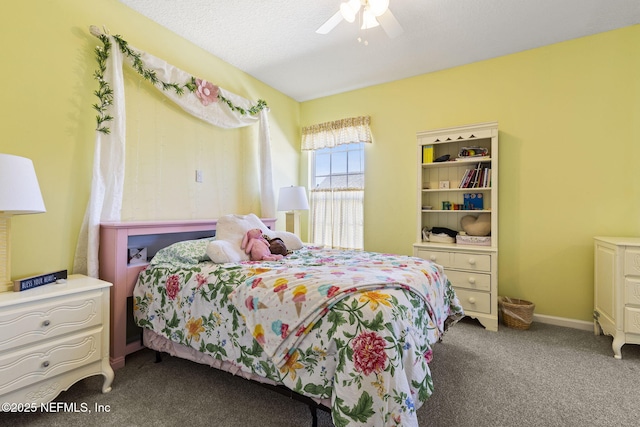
469,280
632,262
474,301
33,322
632,320
632,291
471,261
33,364
441,258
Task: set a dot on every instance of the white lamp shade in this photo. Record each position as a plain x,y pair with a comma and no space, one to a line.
19,189
292,198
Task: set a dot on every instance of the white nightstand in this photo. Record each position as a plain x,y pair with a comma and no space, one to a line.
53,336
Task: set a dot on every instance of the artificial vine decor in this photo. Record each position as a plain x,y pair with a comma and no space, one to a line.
205,91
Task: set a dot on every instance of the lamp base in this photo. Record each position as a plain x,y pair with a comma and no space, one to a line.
5,254
293,222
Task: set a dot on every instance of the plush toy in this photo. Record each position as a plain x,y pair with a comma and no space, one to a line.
257,247
277,246
230,231
480,226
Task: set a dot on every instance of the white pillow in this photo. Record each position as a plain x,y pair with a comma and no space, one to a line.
230,231
221,251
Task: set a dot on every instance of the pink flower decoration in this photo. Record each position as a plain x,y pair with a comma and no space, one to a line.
207,92
368,353
173,286
428,356
202,279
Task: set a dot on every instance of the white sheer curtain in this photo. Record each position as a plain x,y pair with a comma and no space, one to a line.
337,212
107,186
337,218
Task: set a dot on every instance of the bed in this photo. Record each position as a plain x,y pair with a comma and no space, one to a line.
349,330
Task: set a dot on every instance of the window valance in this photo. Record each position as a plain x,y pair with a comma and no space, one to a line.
337,132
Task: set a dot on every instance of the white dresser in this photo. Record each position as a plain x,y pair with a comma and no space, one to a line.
617,290
53,336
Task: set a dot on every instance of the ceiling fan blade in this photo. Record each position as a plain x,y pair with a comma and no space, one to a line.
330,24
390,24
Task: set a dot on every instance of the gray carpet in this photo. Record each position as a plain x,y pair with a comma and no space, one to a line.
545,376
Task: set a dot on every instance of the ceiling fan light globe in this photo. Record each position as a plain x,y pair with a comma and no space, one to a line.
349,9
378,7
368,20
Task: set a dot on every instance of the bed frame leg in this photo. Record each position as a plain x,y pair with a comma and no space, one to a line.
158,357
314,416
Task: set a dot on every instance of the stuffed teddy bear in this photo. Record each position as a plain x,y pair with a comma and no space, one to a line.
277,246
257,247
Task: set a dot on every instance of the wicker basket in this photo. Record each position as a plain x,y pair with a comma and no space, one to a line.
516,313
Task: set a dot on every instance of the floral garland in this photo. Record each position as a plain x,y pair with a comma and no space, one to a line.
205,91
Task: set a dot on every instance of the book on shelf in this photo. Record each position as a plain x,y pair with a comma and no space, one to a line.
464,178
427,154
473,201
476,178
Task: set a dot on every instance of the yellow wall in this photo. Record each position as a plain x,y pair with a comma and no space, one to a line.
569,117
47,88
569,120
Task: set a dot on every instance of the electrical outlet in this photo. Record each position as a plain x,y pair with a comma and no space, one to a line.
198,175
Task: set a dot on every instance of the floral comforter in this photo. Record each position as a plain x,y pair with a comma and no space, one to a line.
350,326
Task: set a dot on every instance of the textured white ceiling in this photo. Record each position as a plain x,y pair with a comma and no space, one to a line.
275,40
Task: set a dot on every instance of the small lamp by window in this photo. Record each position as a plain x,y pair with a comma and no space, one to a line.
292,199
19,194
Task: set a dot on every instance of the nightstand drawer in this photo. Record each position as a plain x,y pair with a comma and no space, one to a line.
469,280
474,301
632,291
33,322
471,261
441,258
35,363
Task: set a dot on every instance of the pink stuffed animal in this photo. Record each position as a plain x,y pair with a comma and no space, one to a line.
257,246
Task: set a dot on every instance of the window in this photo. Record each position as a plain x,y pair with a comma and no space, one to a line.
337,196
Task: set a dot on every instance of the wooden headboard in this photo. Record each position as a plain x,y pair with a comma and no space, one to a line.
115,240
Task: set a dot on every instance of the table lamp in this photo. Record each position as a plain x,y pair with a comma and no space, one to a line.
19,194
292,199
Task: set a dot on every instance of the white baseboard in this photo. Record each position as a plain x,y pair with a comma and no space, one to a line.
563,321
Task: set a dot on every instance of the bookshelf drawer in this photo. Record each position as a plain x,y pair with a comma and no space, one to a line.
469,280
441,258
471,261
474,301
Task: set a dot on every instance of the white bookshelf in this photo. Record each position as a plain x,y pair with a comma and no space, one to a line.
472,269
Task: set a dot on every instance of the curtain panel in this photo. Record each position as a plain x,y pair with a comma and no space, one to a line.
107,185
337,218
331,134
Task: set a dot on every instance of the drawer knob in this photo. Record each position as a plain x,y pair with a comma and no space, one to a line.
433,257
472,280
472,300
472,261
46,323
45,364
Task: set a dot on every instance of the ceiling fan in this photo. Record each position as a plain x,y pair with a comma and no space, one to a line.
371,13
